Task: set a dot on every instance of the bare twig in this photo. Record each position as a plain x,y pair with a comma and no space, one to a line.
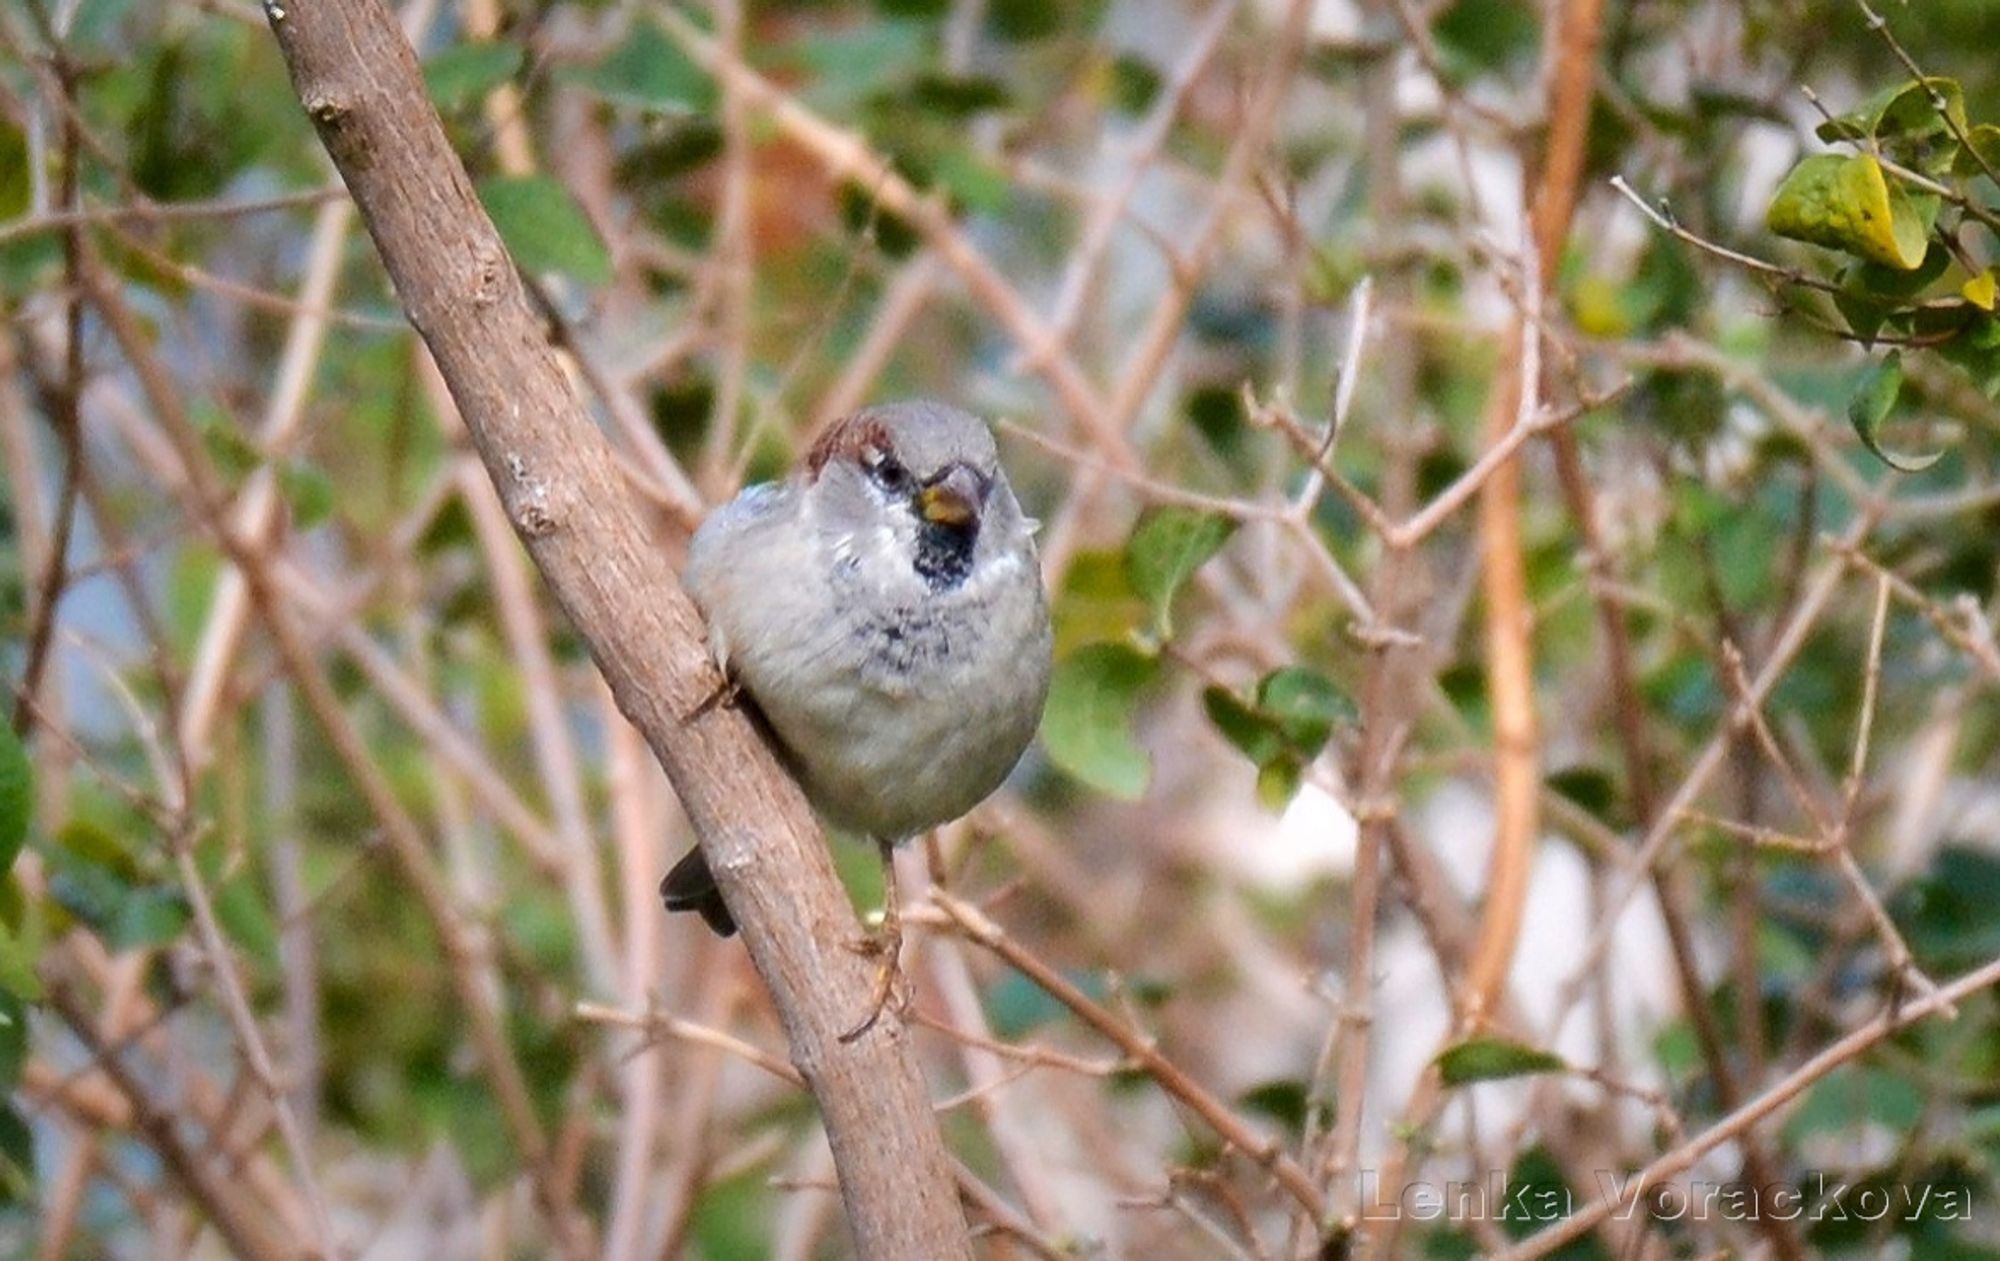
1742,1120
247,1232
1834,830
405,838
658,1025
1664,221
1880,25
167,212
1267,1153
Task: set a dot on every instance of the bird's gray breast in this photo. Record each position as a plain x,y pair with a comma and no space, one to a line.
909,641
900,706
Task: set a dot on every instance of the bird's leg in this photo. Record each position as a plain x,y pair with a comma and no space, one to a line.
725,694
885,942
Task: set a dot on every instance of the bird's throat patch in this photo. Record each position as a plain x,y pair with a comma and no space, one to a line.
944,553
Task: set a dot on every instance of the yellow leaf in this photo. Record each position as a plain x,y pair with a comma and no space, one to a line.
1980,290
1846,203
1597,304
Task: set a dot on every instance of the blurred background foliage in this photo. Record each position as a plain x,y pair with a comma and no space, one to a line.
1181,843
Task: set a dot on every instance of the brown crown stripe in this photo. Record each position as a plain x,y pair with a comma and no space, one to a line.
847,437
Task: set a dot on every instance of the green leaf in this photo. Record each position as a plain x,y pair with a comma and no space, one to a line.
891,233
16,182
1981,154
126,912
1485,35
1865,314
1295,711
203,113
1677,1049
1284,1101
26,262
1491,1059
1846,203
17,796
1096,602
234,454
1134,83
17,1157
13,1040
145,917
462,74
1167,546
1293,716
845,67
1946,914
1901,111
1017,21
17,969
309,491
1871,295
1278,781
1976,351
245,918
1905,123
1087,725
957,97
544,228
674,150
88,839
648,71
1217,415
14,905
973,182
1590,788
1017,1006
1601,305
1873,400
1305,705
1854,1095
1894,282
1253,734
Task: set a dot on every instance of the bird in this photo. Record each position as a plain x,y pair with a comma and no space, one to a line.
882,609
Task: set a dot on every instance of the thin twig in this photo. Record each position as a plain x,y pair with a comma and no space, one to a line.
1880,25
406,840
1267,1153
658,1025
1742,1120
167,211
1663,220
1832,829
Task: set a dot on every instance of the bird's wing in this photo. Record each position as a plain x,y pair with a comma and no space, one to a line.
724,555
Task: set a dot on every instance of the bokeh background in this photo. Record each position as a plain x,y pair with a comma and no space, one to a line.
1238,283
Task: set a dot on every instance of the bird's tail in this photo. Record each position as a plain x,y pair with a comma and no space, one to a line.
690,886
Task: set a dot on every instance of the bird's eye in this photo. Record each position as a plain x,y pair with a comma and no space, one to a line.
887,471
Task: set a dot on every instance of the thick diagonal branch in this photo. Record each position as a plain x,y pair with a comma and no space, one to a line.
360,83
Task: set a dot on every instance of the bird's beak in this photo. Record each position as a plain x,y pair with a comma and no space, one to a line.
954,498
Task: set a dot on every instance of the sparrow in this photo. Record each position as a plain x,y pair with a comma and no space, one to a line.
882,608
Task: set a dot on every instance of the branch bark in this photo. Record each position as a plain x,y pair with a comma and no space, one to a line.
359,82
1571,67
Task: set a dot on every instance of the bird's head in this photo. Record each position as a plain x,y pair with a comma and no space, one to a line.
920,481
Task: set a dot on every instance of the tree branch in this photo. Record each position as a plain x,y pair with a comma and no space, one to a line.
359,82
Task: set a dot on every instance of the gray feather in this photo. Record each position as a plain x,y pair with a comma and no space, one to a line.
899,705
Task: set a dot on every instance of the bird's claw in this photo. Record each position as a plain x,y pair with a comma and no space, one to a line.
874,944
724,695
891,986
885,944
